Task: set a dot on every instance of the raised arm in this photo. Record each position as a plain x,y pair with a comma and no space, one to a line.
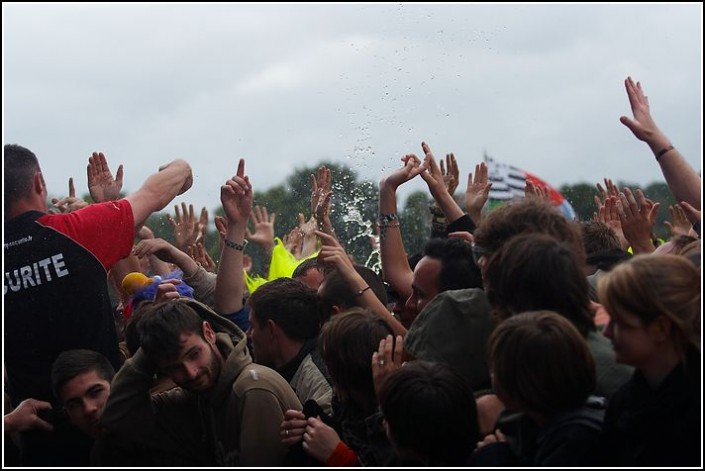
166,252
439,222
395,265
101,184
236,197
187,228
159,189
477,192
684,182
332,253
263,230
434,179
71,202
321,194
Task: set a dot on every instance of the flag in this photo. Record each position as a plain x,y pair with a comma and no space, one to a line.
508,182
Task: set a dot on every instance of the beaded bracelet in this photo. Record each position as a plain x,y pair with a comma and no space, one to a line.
387,218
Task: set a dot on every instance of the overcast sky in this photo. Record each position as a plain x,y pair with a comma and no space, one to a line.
286,86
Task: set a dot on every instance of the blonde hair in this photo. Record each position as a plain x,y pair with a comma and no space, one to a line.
648,286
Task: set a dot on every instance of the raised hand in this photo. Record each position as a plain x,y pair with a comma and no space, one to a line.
412,167
477,192
637,216
236,196
451,175
202,224
434,179
642,125
200,255
386,360
221,224
321,193
680,224
609,215
533,190
691,212
263,225
433,176
308,229
69,203
293,241
603,194
160,248
101,184
332,254
186,228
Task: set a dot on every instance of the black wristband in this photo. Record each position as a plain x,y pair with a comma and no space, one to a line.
660,153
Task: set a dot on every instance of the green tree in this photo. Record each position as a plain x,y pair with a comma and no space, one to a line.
581,198
415,221
353,208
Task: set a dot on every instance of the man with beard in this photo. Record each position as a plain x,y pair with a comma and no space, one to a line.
226,410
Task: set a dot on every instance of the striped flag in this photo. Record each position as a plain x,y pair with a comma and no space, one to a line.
508,182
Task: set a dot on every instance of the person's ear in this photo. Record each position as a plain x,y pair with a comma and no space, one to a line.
208,333
38,183
273,329
661,327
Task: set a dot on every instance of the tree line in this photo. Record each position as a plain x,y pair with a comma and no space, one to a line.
354,211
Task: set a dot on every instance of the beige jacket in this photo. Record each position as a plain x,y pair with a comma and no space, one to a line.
235,424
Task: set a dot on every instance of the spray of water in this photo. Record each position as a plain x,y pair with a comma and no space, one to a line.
359,226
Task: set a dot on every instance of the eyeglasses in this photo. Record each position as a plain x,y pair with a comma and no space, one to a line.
479,254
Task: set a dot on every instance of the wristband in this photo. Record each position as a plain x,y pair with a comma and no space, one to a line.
359,293
235,245
660,153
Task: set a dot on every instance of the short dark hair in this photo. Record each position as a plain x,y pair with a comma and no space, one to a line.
162,324
598,237
19,166
430,409
291,304
458,268
680,241
303,267
347,343
541,361
533,272
528,215
71,363
336,291
132,334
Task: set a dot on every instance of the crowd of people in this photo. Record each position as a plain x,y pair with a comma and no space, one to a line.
517,337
